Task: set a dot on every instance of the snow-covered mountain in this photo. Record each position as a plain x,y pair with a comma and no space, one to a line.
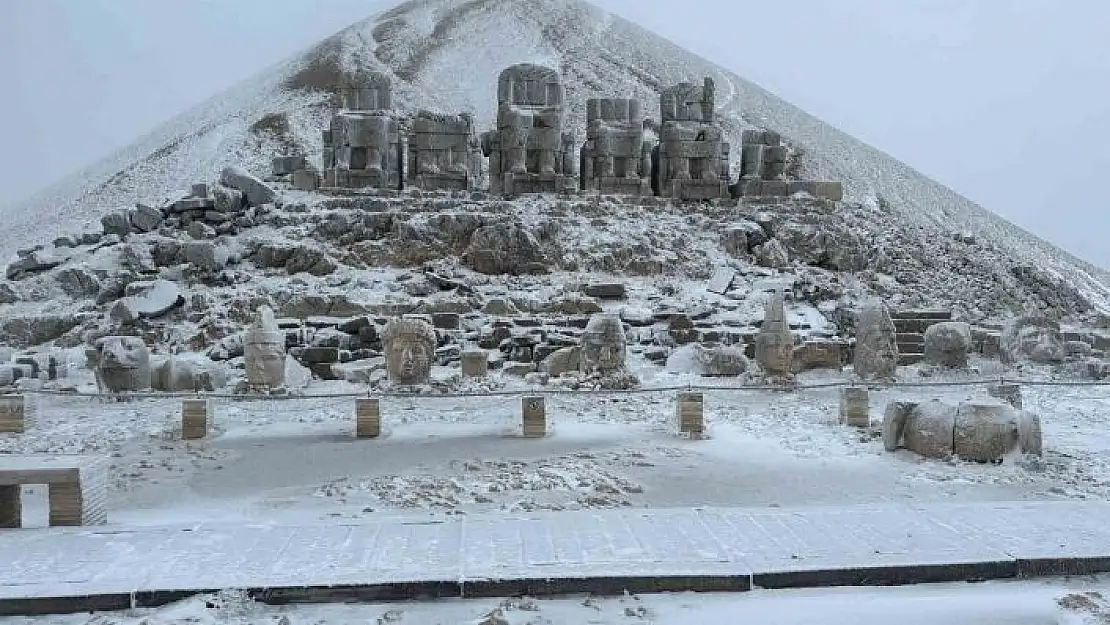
446,55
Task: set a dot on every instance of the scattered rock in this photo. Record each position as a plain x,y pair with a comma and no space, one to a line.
606,290
78,282
504,248
117,223
256,191
146,218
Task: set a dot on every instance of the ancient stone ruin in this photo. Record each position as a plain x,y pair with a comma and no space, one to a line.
440,148
691,160
528,151
121,363
409,346
763,162
603,344
363,146
615,159
264,352
774,345
983,430
876,353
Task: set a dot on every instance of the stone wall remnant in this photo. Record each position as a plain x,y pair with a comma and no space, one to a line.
615,159
528,150
691,160
774,345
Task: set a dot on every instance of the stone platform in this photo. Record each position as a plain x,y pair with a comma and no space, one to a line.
610,551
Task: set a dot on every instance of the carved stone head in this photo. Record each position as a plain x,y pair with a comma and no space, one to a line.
123,363
264,351
604,344
409,350
526,84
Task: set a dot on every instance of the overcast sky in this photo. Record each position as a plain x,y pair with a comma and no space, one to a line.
1006,101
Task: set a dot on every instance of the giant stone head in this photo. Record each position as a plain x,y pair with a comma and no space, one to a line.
122,363
409,349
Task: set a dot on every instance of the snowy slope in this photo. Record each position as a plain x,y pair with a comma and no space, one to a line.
446,54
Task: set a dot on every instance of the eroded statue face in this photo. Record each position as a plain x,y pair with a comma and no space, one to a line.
603,344
409,350
123,363
265,362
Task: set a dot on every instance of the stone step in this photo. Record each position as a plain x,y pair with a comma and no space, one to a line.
910,358
914,326
935,315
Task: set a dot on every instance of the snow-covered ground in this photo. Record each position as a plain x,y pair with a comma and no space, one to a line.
298,460
996,603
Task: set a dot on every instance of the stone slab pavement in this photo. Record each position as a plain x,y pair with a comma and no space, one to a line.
599,551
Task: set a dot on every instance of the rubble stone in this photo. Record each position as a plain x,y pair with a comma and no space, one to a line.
256,191
503,248
947,344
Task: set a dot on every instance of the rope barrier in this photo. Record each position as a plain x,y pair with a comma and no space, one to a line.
251,398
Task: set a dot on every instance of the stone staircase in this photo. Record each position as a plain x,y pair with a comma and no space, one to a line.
910,326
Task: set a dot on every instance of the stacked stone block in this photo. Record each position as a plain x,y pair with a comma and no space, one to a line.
533,416
763,171
910,326
368,419
439,152
690,414
528,150
615,159
691,160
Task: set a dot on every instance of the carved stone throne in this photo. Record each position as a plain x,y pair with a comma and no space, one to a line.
362,147
691,160
528,151
615,158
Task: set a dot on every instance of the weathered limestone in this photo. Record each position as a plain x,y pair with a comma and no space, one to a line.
363,147
475,363
691,160
690,414
368,418
604,345
876,353
615,158
13,414
528,151
774,345
533,416
440,149
1009,393
714,360
77,488
911,326
121,363
195,416
947,344
177,374
763,171
855,407
1032,338
976,430
264,352
409,346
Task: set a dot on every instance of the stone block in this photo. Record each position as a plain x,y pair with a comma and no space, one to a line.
690,413
368,419
195,414
446,320
855,407
721,281
1009,393
830,190
305,180
13,414
475,363
320,355
533,416
11,506
606,290
285,165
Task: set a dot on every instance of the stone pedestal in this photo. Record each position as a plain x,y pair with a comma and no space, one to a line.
533,417
1009,393
368,419
194,418
855,407
11,507
690,414
12,414
475,364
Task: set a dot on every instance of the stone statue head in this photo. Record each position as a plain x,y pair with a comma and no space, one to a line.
123,363
604,344
687,102
409,350
367,91
264,350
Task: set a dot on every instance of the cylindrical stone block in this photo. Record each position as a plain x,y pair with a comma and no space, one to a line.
12,414
368,420
194,418
475,364
1009,393
690,413
533,416
855,407
11,507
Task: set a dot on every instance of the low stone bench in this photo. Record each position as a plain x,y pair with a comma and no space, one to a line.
77,487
